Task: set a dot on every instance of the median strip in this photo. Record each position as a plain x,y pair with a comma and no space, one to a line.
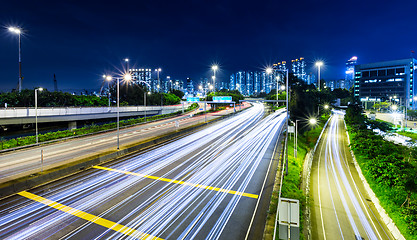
249,195
89,217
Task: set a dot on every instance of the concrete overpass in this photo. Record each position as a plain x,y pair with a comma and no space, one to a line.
24,116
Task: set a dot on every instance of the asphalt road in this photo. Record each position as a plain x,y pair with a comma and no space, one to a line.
208,185
341,208
28,161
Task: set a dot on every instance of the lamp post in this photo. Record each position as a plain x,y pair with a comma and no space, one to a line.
36,112
126,77
214,68
296,138
268,71
287,95
18,31
319,64
108,78
159,84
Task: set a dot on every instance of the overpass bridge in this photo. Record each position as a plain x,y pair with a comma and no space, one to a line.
26,116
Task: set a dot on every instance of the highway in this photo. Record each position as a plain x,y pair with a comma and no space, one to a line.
341,207
28,161
208,185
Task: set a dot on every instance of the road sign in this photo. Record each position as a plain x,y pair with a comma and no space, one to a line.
291,129
193,99
289,219
223,99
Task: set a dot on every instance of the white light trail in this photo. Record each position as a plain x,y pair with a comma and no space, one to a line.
225,155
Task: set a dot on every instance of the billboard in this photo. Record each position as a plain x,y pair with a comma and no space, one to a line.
222,99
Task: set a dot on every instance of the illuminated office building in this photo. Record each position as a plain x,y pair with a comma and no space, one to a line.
350,72
389,80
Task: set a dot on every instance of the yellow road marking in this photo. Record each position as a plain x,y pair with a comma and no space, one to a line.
249,195
89,217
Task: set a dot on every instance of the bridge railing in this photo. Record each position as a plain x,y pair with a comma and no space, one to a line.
62,111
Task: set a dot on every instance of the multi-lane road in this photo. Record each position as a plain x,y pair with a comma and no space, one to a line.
208,185
341,208
28,161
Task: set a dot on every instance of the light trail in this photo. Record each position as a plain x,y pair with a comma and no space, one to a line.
225,155
334,168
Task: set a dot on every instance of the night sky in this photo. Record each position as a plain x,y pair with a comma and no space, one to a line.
80,41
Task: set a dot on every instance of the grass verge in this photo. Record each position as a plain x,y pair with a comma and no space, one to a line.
291,187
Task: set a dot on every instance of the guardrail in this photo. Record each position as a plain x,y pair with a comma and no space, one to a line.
63,111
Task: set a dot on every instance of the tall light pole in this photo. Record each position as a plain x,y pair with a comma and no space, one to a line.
108,78
287,94
296,137
269,70
214,68
36,112
18,31
157,72
127,78
319,64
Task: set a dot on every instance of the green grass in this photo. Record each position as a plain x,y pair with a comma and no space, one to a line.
390,198
291,187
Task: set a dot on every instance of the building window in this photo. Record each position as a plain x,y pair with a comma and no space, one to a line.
390,71
381,72
400,71
373,73
365,74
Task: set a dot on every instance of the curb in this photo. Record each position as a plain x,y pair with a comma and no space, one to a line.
387,220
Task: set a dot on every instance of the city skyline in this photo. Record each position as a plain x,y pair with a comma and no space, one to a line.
79,43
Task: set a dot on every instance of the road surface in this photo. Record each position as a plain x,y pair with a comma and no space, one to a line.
207,185
28,161
341,208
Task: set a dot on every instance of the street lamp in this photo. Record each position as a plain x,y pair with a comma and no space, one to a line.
127,77
214,68
326,106
319,64
268,71
36,111
18,31
157,72
108,78
312,121
296,138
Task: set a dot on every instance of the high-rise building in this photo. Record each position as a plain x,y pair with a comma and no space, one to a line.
190,87
241,81
311,78
249,83
142,76
389,80
257,80
350,72
298,67
232,82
